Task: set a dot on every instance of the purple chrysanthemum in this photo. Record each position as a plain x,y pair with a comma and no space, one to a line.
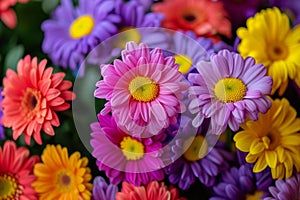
124,157
72,32
196,157
227,89
241,183
288,189
2,135
143,90
102,190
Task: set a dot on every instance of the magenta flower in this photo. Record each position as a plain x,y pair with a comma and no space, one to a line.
126,158
227,89
143,90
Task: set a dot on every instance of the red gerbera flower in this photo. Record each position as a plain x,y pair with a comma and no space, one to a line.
31,98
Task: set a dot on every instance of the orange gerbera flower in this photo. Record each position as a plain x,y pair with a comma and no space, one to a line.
31,98
16,173
204,17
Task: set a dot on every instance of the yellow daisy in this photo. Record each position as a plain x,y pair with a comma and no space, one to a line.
271,41
61,177
273,140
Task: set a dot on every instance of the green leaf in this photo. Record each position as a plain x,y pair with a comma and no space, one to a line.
13,56
49,5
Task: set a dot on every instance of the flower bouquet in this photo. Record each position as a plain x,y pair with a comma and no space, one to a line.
149,100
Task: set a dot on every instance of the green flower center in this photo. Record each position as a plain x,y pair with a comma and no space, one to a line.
184,62
230,90
9,187
81,27
132,149
143,89
196,148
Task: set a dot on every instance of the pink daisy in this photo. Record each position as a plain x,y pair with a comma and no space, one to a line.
126,158
143,90
227,89
16,173
32,96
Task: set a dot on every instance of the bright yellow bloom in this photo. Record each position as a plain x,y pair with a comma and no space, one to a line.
62,177
271,41
273,140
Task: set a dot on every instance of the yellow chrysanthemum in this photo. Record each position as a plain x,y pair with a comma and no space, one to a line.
271,41
62,177
273,140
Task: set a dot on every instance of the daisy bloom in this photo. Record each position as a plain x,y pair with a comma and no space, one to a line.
72,32
16,173
227,89
273,140
2,130
152,191
204,17
7,14
123,157
285,189
196,157
241,183
271,41
143,90
62,177
102,190
31,98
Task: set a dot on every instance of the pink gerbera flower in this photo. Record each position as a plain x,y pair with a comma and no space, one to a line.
7,14
228,89
143,90
31,98
16,173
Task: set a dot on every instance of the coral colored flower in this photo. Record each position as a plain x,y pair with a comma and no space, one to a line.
143,90
7,14
102,190
73,32
273,140
32,96
16,173
152,191
123,157
2,131
271,41
196,157
241,183
228,89
285,189
204,17
62,177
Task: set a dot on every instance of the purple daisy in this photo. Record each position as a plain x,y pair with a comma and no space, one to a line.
2,135
201,157
288,189
241,183
102,190
227,89
72,32
123,157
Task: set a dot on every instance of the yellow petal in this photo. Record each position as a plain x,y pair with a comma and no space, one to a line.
260,165
271,158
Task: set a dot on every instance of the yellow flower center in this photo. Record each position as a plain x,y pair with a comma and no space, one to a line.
9,188
127,34
184,62
143,89
31,101
81,27
196,148
230,90
278,52
271,140
64,181
132,149
254,196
